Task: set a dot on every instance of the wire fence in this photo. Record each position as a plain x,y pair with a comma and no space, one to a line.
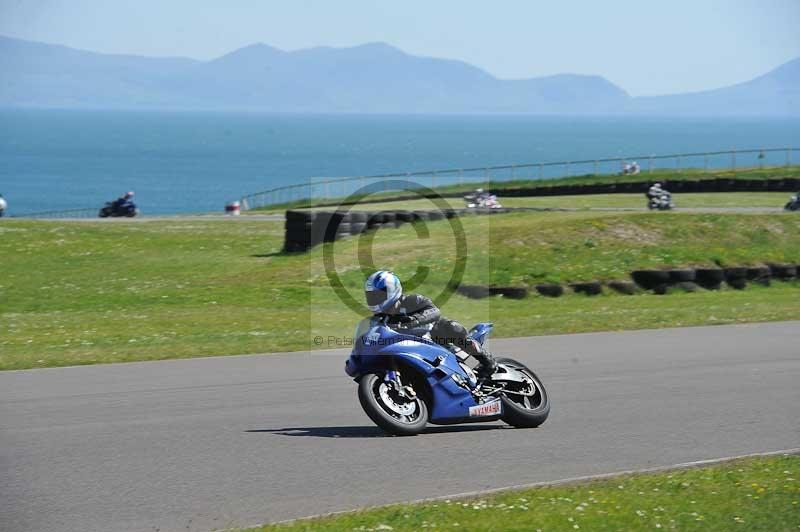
322,188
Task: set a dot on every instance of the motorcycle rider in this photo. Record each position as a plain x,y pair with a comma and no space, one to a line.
655,191
416,314
124,199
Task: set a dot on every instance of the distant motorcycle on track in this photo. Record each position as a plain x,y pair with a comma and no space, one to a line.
481,200
794,203
660,202
407,381
114,210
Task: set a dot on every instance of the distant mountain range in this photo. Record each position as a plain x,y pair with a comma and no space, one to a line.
371,78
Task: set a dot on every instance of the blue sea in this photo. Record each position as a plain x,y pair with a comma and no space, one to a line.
195,162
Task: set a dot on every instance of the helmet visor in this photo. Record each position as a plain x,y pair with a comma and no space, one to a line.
376,297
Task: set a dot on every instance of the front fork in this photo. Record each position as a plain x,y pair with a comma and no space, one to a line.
392,378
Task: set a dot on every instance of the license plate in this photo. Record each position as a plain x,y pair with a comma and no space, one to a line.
486,409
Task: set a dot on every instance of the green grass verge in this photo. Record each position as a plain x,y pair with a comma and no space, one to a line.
688,174
93,292
775,200
749,494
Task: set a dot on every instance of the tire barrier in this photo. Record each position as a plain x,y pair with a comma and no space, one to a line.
783,272
684,275
659,282
760,275
739,283
592,288
687,286
623,287
550,290
677,186
511,292
736,277
651,279
305,229
710,278
473,291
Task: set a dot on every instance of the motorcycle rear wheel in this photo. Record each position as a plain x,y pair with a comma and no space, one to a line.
523,411
384,407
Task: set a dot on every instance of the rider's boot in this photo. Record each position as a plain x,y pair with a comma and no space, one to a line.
487,364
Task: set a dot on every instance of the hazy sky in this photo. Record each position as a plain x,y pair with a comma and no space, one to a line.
646,47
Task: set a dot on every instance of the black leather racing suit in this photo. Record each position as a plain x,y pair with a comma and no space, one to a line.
416,314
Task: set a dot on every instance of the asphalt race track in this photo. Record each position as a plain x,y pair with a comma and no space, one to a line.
219,442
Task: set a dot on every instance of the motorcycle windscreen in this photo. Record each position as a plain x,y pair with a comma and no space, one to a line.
363,327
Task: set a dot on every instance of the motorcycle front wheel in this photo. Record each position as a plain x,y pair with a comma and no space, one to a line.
401,416
525,411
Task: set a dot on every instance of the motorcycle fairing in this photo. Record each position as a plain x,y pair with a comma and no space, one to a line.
382,348
480,331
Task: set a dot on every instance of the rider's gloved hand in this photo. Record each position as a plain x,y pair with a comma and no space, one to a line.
407,322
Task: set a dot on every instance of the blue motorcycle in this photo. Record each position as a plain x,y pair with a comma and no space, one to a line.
407,381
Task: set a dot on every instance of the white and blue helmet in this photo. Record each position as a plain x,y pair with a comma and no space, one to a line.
383,290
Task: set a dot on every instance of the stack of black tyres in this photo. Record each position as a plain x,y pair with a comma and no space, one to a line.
299,235
474,291
550,289
510,292
391,220
710,278
339,226
683,278
374,220
358,222
590,288
760,275
656,280
403,217
736,277
623,287
783,272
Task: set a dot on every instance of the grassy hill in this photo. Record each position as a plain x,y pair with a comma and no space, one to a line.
89,292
